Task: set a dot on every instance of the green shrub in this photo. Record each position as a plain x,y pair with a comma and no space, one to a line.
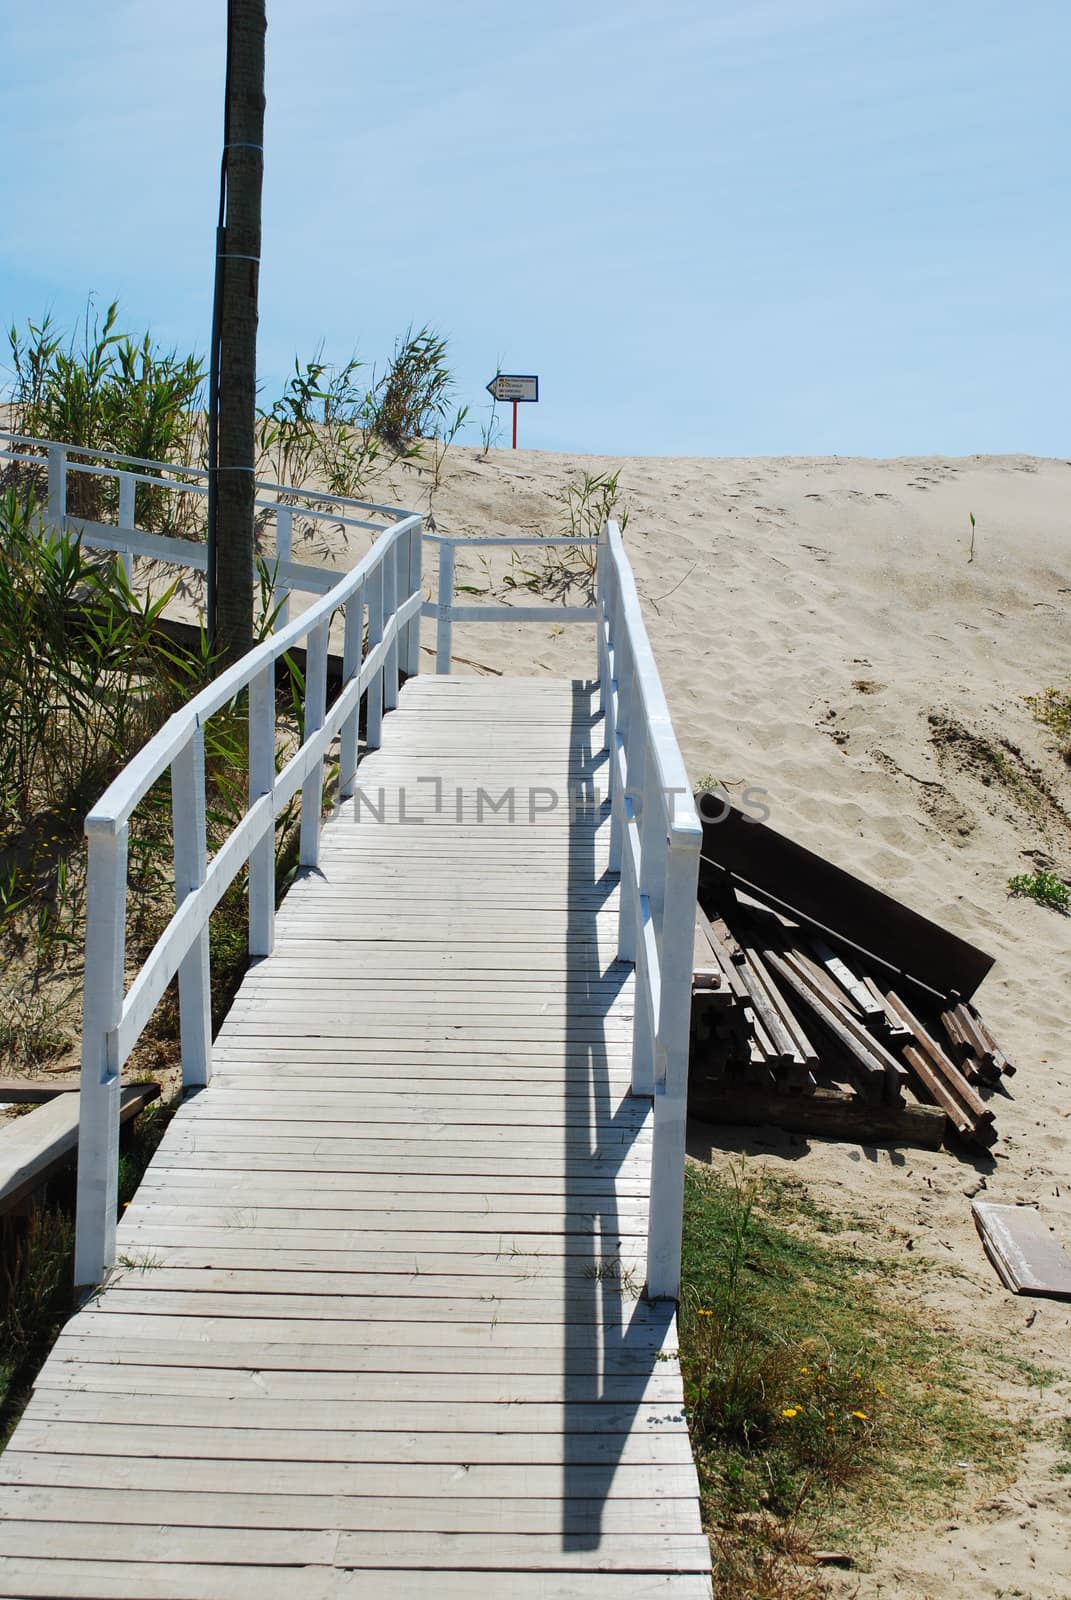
1045,888
85,672
411,400
105,391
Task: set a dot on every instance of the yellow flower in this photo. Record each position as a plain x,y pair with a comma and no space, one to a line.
706,1313
805,1369
791,1411
860,1414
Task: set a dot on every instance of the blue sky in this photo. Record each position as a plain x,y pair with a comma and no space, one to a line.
773,227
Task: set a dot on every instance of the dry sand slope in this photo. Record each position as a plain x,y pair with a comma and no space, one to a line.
821,633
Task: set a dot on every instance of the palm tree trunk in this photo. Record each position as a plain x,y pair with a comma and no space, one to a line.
235,486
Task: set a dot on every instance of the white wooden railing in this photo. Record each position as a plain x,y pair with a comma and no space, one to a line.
385,590
655,835
447,613
276,503
655,830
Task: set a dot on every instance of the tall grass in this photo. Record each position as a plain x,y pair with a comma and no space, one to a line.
585,506
85,672
411,399
319,428
104,390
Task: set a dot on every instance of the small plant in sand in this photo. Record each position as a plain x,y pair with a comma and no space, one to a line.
1044,888
318,429
1052,708
585,508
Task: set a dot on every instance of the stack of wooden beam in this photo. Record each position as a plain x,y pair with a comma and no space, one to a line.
789,1030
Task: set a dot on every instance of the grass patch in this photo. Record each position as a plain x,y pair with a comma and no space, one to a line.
1052,708
1044,888
820,1410
37,1268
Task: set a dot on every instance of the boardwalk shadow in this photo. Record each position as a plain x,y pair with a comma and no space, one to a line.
612,1335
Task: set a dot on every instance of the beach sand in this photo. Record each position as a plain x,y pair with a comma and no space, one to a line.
821,633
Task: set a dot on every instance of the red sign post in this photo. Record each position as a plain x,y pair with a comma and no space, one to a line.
518,388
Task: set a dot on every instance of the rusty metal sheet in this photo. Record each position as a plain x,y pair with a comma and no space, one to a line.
781,873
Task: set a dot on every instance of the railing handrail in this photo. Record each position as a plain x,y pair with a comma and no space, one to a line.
183,470
673,784
101,455
655,837
141,772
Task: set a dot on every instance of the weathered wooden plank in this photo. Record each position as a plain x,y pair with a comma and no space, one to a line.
457,1417
1022,1248
370,1513
514,1446
37,1145
132,1295
280,1220
217,1180
526,1174
557,1206
660,1387
537,1552
253,1351
33,1091
481,1481
483,1256
116,1580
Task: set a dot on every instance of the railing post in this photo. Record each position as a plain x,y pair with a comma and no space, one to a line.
127,517
444,631
315,704
602,650
284,553
351,664
671,1094
391,587
645,1023
416,580
620,757
191,861
57,487
373,730
98,1132
261,782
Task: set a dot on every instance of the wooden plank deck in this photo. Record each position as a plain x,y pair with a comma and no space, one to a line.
377,1330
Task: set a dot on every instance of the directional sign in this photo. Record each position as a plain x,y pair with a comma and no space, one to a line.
514,386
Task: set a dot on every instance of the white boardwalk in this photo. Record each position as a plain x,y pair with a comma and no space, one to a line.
376,1328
